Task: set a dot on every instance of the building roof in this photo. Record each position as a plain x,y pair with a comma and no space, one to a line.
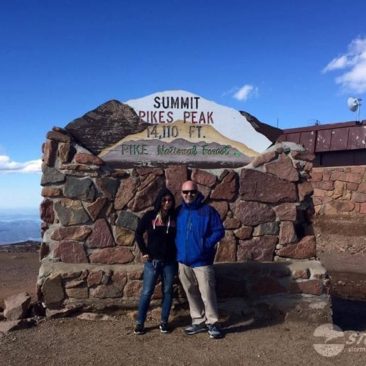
329,137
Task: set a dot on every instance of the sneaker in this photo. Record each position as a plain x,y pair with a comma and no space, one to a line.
164,328
195,328
139,329
214,331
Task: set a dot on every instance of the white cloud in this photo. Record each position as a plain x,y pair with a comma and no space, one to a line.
245,92
9,166
353,64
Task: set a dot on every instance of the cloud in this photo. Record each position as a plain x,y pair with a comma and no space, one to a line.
9,166
353,65
245,92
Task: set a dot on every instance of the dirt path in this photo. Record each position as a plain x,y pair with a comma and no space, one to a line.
76,342
18,272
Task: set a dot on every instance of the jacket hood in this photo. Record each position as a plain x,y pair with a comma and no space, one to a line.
162,193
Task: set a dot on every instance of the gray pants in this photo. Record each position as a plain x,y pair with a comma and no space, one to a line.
199,286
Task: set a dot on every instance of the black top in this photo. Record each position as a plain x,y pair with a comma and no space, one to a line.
160,236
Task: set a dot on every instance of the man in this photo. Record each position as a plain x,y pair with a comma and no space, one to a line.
199,228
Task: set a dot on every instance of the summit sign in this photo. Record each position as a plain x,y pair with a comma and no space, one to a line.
166,107
167,128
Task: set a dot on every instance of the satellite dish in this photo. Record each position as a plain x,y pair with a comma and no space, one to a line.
354,103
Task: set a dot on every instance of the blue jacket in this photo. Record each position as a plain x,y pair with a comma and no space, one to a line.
199,228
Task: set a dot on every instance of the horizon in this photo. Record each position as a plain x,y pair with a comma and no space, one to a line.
289,64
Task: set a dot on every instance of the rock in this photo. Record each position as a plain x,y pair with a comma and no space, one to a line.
58,134
117,255
65,152
127,220
286,212
226,250
52,291
126,192
245,232
83,158
287,233
264,158
268,228
78,292
205,191
123,236
221,207
227,189
82,189
47,213
149,171
258,186
176,175
107,186
17,306
10,325
136,275
71,212
96,207
105,291
44,250
304,249
50,152
70,252
302,155
301,274
51,176
95,278
146,197
283,169
132,290
78,233
202,177
101,236
254,213
119,279
105,126
51,192
311,287
231,223
305,189
261,249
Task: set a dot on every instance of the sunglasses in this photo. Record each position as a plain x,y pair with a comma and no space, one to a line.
192,192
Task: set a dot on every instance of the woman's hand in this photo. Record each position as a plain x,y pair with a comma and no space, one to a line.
145,257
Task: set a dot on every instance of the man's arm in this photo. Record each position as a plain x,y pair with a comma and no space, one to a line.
216,229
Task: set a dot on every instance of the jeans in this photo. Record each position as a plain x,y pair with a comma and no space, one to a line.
152,270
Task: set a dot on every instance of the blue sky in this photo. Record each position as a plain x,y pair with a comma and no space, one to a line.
286,62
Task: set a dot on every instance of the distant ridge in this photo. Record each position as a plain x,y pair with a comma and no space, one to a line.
21,247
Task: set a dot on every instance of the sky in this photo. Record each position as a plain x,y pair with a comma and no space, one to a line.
290,63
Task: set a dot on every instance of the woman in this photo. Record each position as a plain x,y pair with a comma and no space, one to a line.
159,256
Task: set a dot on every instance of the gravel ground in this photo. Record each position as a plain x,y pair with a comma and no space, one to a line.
111,342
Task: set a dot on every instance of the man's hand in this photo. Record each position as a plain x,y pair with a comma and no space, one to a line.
145,257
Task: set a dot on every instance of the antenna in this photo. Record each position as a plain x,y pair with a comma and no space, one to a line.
354,105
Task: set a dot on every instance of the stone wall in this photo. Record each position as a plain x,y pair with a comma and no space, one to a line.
90,212
340,205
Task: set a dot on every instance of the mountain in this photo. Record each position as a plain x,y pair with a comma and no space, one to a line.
18,227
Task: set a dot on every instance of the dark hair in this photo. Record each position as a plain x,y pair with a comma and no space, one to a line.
157,205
